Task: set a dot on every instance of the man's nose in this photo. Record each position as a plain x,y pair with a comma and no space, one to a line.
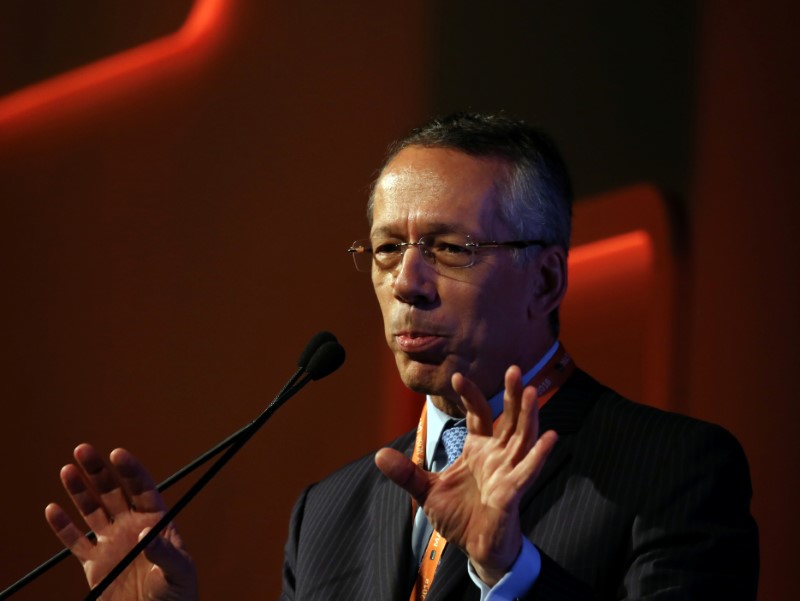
415,278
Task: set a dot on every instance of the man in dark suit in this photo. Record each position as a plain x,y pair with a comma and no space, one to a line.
469,231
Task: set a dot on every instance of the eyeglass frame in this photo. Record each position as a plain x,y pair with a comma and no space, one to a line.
430,257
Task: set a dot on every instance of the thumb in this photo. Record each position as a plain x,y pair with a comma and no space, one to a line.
167,553
404,472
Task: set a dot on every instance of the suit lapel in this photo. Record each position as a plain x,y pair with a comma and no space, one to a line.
566,411
390,525
565,414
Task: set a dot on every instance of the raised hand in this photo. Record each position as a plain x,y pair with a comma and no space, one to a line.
474,503
119,502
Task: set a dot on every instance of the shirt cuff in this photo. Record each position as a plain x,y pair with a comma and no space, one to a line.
517,581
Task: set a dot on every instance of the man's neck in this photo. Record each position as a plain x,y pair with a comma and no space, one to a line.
451,407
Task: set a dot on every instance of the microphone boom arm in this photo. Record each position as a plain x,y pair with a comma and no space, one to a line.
240,438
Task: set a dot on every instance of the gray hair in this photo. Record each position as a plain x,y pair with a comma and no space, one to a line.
536,198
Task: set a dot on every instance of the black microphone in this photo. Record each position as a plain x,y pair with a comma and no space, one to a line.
314,363
317,340
328,358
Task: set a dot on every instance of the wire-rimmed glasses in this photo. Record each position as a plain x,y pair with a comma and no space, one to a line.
450,250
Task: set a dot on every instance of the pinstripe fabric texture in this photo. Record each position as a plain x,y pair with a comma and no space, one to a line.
633,503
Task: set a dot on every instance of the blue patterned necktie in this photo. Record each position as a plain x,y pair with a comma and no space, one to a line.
453,438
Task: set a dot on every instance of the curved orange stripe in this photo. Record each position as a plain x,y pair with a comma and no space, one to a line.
204,27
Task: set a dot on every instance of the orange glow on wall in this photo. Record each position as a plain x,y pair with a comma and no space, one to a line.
93,84
607,306
620,313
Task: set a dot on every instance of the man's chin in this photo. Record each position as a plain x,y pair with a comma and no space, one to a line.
425,378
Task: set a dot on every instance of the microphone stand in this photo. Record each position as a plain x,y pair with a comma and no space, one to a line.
311,362
240,438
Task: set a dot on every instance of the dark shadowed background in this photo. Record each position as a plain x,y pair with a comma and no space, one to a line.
175,209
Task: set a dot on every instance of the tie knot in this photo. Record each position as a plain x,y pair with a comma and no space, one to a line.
453,438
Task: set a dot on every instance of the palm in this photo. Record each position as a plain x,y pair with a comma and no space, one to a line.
138,580
474,503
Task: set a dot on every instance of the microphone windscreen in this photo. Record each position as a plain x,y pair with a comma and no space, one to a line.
328,358
313,346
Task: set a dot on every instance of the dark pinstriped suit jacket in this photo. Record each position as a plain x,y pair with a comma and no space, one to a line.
633,503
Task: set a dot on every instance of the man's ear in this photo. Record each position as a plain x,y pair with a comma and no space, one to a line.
550,278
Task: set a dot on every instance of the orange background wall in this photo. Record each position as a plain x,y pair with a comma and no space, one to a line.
172,229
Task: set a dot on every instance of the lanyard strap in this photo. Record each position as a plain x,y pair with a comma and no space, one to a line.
547,382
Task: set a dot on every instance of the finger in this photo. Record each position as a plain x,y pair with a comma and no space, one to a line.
527,470
479,413
512,396
175,565
527,426
403,472
144,495
84,497
67,532
102,479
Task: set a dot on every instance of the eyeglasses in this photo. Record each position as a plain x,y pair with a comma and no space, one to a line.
450,250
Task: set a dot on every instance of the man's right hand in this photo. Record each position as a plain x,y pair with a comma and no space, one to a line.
120,502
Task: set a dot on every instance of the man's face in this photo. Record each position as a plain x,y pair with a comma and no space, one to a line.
476,320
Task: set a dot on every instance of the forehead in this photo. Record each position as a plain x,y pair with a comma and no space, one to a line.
425,190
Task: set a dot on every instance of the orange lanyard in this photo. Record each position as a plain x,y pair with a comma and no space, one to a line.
549,379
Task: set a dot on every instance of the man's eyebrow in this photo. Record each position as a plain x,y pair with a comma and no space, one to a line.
430,228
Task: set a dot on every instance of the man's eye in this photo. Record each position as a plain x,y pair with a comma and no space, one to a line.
449,248
387,248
